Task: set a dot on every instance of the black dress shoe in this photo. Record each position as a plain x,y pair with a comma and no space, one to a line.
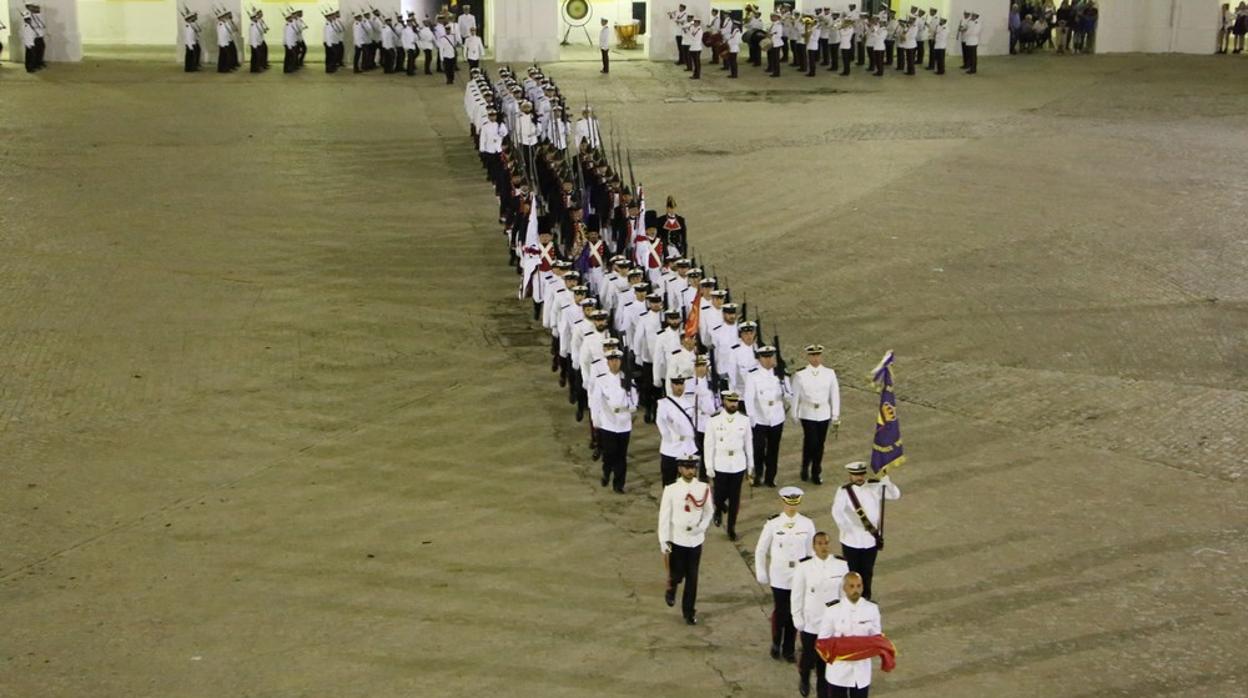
775,652
596,454
691,620
732,536
619,490
790,658
757,482
670,597
717,519
816,480
803,686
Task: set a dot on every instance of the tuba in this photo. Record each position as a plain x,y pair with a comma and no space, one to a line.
808,23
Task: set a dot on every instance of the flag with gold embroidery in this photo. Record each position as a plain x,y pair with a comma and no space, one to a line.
887,450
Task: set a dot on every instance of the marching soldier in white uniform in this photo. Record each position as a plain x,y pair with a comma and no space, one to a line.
787,538
816,406
685,512
858,510
680,361
259,47
767,398
474,49
227,52
676,421
744,357
290,41
729,454
40,29
850,616
616,402
816,583
705,403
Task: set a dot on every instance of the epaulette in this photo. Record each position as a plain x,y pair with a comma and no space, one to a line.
578,321
713,329
769,518
628,304
805,559
562,290
676,352
735,346
833,602
801,369
839,557
752,370
596,361
599,375
586,334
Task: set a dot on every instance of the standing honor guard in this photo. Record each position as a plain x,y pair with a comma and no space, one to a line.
41,34
389,46
729,454
190,41
734,49
786,539
227,51
685,513
817,583
474,49
259,48
290,41
334,33
970,44
776,33
858,510
616,401
28,43
816,406
359,39
940,44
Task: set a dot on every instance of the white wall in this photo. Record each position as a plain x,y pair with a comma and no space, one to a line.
1157,26
526,30
64,43
127,21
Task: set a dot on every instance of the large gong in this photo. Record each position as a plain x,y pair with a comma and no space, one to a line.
577,13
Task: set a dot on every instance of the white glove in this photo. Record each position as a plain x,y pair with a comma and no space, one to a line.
665,548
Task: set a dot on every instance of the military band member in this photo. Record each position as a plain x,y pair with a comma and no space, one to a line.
817,582
679,20
940,43
685,513
301,46
786,539
834,42
922,35
816,406
813,47
846,32
190,42
259,47
970,43
755,23
767,398
676,422
875,45
729,454
890,39
860,34
617,401
734,49
933,23
858,510
776,33
852,615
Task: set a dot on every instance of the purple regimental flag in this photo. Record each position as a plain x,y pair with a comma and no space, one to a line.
887,450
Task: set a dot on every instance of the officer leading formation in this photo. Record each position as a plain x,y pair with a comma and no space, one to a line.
640,331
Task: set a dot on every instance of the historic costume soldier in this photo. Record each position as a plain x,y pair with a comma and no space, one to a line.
858,510
729,454
685,512
817,583
786,539
816,406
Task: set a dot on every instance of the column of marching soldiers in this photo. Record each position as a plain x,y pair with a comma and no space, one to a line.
636,325
393,43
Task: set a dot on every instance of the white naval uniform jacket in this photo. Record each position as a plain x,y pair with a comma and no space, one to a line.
705,401
290,37
743,359
604,39
190,37
729,444
474,48
940,39
685,512
665,342
846,619
359,33
679,363
815,583
224,35
816,394
257,34
971,36
645,334
591,349
786,540
853,533
675,419
766,397
847,36
615,405
491,138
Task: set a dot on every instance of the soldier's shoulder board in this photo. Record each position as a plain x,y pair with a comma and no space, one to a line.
800,369
769,518
716,328
752,370
596,361
833,602
839,557
675,352
628,304
736,346
805,559
587,333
